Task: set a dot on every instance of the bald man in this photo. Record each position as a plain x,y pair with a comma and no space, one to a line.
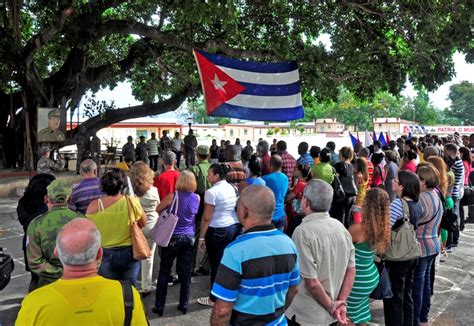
81,295
259,274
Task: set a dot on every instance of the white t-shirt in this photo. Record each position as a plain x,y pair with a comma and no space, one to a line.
176,144
223,197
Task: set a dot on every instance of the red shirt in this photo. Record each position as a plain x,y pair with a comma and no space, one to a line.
409,166
266,163
166,182
370,169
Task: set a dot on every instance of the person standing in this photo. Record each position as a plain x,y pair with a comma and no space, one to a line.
80,296
305,158
391,170
181,242
189,145
368,238
87,190
30,206
326,260
128,150
165,142
427,234
152,145
42,232
259,292
398,310
82,143
166,181
262,152
141,150
288,161
334,156
323,170
278,183
46,165
219,225
249,147
95,148
176,147
200,172
141,177
214,152
233,159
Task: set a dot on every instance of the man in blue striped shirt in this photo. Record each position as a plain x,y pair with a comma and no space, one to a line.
259,274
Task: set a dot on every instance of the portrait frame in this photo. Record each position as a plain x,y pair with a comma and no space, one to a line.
43,124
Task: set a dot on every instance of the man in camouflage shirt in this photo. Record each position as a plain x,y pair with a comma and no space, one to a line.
46,165
141,150
128,150
42,232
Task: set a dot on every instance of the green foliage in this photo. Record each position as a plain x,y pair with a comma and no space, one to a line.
462,103
94,107
196,109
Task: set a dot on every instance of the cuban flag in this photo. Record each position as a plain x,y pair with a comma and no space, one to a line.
249,90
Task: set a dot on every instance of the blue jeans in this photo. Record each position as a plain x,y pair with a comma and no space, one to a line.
216,241
280,224
180,248
422,289
118,264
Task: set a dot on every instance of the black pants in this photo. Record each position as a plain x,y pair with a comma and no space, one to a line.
180,248
153,162
216,241
398,310
341,211
178,158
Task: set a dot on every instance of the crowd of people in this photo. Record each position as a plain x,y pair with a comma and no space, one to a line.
284,240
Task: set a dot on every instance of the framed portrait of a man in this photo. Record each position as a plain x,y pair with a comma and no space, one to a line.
51,125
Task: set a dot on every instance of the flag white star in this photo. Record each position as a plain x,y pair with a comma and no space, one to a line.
219,84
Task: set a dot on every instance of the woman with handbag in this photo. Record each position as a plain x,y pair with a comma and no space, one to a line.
219,225
111,214
369,238
185,204
398,310
427,234
142,178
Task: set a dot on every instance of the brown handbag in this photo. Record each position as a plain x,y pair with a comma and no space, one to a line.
141,249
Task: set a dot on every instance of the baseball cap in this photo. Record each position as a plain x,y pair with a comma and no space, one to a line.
59,191
54,113
202,150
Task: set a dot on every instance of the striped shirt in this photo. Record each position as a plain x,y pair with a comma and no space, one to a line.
458,170
255,273
83,193
152,145
305,159
396,211
427,233
288,165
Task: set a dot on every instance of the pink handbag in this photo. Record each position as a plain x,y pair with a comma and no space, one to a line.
164,227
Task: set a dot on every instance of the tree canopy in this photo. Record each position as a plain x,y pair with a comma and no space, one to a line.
53,52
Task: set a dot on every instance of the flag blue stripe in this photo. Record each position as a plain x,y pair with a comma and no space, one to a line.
274,114
271,90
264,67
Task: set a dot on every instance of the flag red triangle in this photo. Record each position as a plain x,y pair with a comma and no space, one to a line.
218,87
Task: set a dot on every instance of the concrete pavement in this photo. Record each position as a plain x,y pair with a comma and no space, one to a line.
452,302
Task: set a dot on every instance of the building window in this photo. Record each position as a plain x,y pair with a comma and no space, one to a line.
245,132
260,132
231,132
143,133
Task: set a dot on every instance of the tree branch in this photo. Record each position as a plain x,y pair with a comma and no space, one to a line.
43,37
113,116
116,26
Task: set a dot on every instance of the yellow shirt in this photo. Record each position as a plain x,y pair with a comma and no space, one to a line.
114,224
86,301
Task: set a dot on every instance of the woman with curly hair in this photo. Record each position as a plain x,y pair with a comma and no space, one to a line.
370,237
142,176
362,182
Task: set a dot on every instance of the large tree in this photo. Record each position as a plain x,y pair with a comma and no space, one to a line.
462,103
52,52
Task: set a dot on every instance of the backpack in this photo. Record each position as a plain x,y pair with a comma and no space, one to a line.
6,269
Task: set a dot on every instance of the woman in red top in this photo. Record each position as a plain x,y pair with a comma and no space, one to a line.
409,161
378,177
301,175
467,162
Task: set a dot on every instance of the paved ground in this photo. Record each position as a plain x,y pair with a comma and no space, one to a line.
452,303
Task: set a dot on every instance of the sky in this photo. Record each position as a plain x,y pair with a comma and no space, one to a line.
122,94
